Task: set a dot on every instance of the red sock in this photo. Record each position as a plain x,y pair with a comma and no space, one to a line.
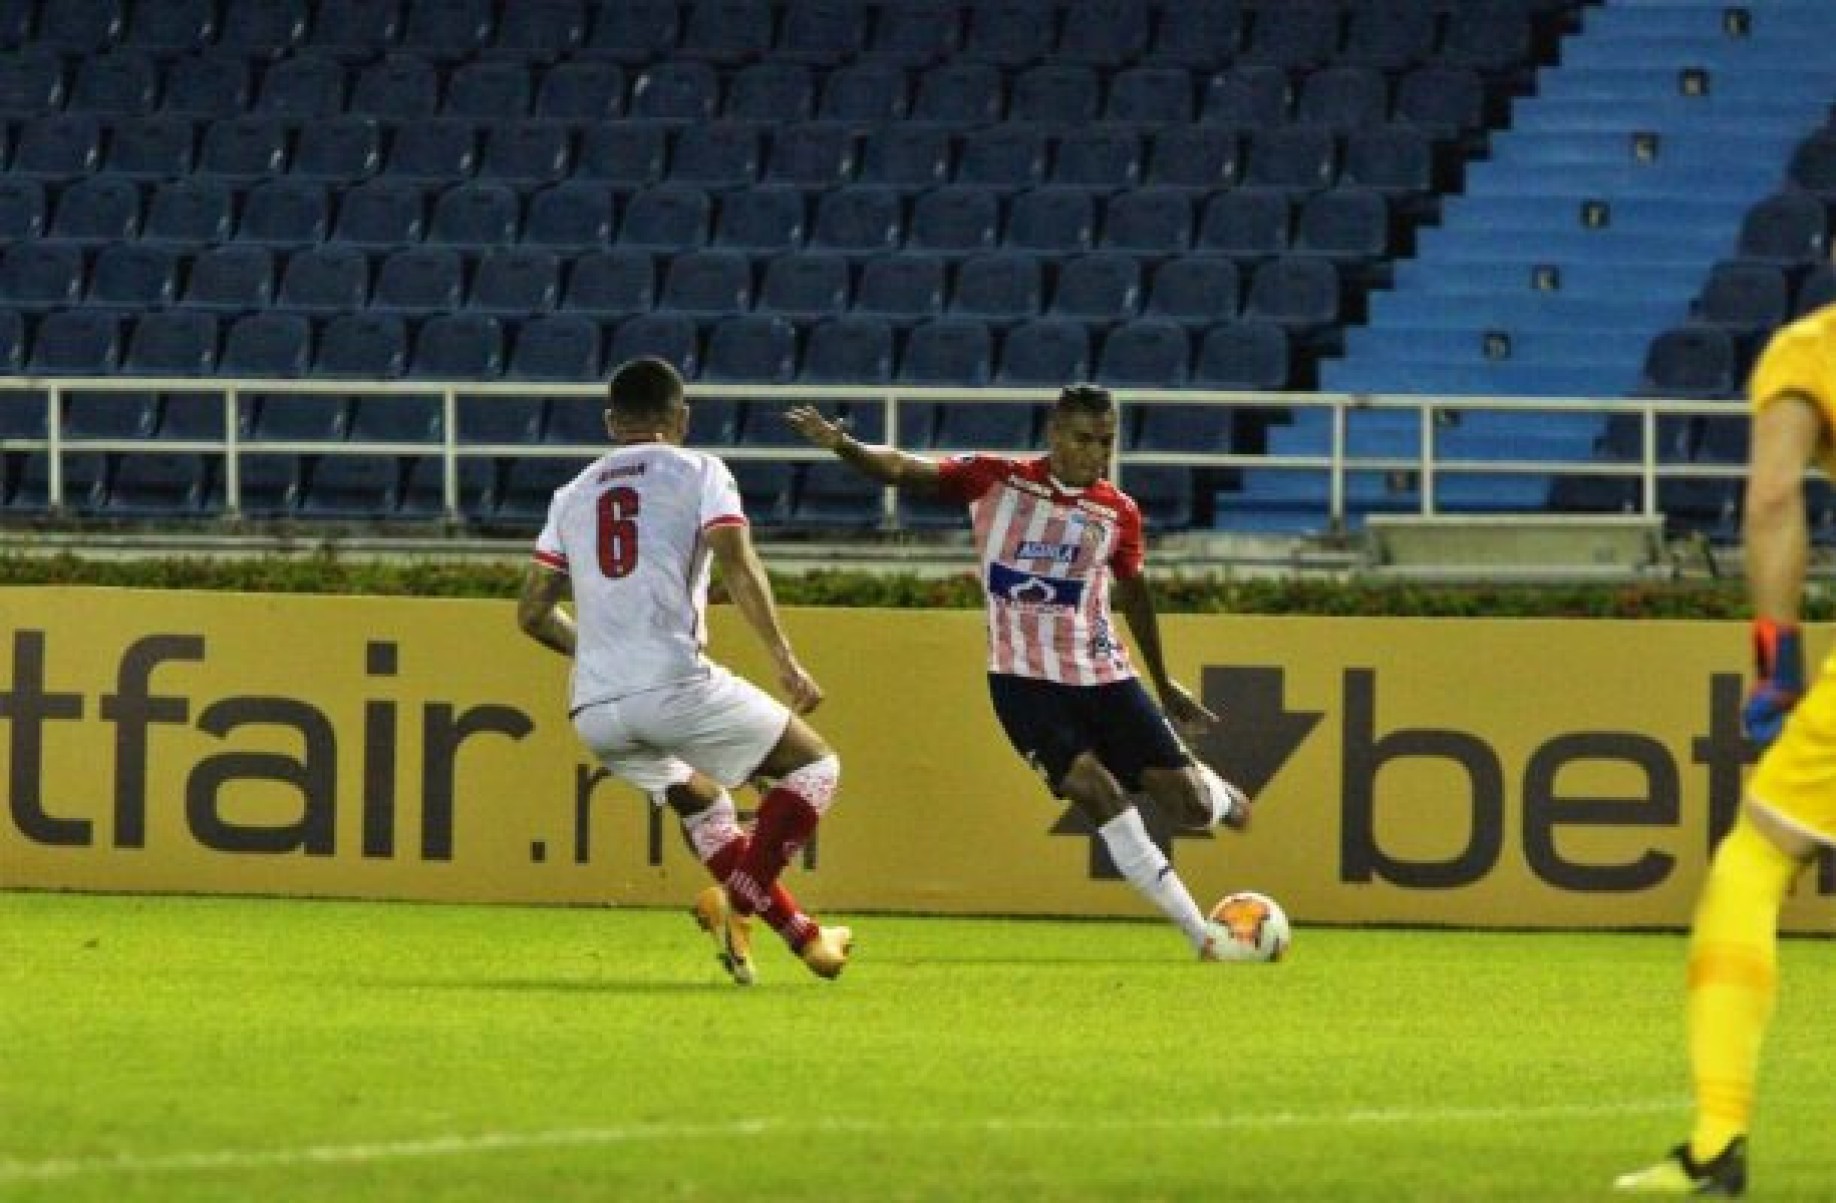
781,909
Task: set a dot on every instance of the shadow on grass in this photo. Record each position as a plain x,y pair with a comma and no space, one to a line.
547,986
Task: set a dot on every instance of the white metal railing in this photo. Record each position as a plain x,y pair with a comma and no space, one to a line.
1428,465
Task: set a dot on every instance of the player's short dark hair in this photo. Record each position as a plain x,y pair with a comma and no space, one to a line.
1084,398
644,388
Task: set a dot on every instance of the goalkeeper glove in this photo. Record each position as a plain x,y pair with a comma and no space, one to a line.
1778,665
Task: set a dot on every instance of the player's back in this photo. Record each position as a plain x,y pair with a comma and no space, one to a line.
631,530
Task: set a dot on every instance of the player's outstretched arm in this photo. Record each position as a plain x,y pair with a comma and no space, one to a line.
888,465
539,612
1136,601
744,576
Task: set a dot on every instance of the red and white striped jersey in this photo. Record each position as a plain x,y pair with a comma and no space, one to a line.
628,533
1048,553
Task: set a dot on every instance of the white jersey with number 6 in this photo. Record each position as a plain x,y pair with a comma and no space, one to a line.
628,532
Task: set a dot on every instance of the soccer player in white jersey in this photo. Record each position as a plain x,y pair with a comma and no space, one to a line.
632,537
1055,540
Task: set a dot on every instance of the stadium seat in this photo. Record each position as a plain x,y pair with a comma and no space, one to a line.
708,283
1108,33
1301,295
500,419
1048,352
244,150
413,418
267,345
1350,226
325,280
727,31
1151,97
717,155
1165,494
1786,227
286,213
629,154
302,87
439,151
1106,158
172,344
1816,289
81,27
614,283
527,484
516,282
1006,157
381,214
299,418
1247,97
189,211
449,30
1395,160
917,32
1301,36
459,346
354,29
57,146
903,288
636,30
1011,33
959,219
192,416
1147,353
1148,221
1248,355
1296,158
133,277
475,215
908,156
423,489
676,90
574,215
1056,94
811,155
351,487
1195,290
765,490
849,350
1343,98
121,83
989,426
341,151
1203,36
268,487
1747,298
172,26
857,219
1441,100
823,31
1812,166
1097,288
398,87
97,209
85,481
835,496
948,351
1391,35
959,93
1487,35
489,90
581,90
362,346
1690,361
151,148
560,347
420,280
766,218
541,29
158,484
1054,220
1201,428
869,94
41,275
118,416
668,336
31,79
805,286
22,209
999,287
667,218
206,86
526,153
771,91
1248,224
751,349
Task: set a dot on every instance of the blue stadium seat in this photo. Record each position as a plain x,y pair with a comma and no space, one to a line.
917,32
1057,220
41,275
1148,221
949,351
751,348
1690,361
1747,298
771,91
858,219
1195,290
1106,158
727,31
998,287
528,483
766,218
420,280
433,152
636,30
159,484
1048,352
977,426
398,87
355,29
341,150
31,81
668,336
834,496
708,283
79,27
1812,165
903,288
244,149
133,277
907,156
173,344
1012,32
121,83
500,419
1203,36
1816,288
870,94
423,489
961,93
1247,97
396,419
1343,98
1003,156
269,27
15,31
1299,294
1391,35
1056,94
1097,288
1786,227
58,146
192,416
268,487
325,280
1249,224
351,487
1109,33
22,209
676,90
97,209
581,90
362,346
765,490
1350,226
108,415
1300,35
824,32
577,420
516,281
206,86
1296,158
1146,353
575,215
526,153
489,90
668,218
381,214
959,219
286,213
151,148
1487,35
85,483
1441,100
1151,96
477,214
1202,428
628,154
1165,494
267,346
715,155
849,350
76,342
561,347
811,155
614,283
541,29
190,212
172,26
302,87
1395,159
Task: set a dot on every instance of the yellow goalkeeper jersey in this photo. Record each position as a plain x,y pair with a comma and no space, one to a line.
1801,358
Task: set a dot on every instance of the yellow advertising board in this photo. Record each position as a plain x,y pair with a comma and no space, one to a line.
1492,772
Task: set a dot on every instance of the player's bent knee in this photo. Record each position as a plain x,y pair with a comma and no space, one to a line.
815,782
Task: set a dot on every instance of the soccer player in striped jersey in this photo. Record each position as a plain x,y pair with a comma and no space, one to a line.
1789,812
1056,540
632,538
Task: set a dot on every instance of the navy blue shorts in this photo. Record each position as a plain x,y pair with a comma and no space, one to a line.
1051,725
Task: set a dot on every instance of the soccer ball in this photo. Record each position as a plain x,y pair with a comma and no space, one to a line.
1247,926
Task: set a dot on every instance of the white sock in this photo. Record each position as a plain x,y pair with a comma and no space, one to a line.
1147,869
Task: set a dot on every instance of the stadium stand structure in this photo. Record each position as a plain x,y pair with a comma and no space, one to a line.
1241,194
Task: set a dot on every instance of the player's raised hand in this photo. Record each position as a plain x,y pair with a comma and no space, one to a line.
799,686
811,423
1188,714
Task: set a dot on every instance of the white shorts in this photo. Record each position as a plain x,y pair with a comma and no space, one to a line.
722,725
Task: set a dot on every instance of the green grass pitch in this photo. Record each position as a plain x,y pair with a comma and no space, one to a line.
235,1049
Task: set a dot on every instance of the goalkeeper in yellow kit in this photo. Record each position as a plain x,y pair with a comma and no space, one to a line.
1789,812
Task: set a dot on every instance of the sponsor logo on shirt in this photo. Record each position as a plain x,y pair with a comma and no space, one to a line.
1033,590
1058,553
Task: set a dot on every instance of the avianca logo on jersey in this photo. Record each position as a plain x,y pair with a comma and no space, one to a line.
1058,553
1033,590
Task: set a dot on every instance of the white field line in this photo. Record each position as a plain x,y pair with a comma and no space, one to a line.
367,1152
